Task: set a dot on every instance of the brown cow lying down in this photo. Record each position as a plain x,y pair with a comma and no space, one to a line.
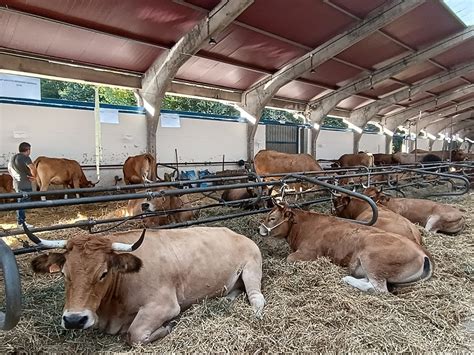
360,158
374,257
139,293
435,217
163,203
389,221
139,169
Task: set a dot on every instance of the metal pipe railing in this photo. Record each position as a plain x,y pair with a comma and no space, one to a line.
11,281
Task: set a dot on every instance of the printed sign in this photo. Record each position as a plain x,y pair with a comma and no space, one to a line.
18,86
170,120
109,115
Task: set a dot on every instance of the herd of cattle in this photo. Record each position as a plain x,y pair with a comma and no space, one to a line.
137,282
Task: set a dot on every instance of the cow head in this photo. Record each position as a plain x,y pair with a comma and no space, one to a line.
91,267
86,183
458,155
376,194
341,205
278,222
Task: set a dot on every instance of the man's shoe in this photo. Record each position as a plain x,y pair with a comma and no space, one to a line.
29,226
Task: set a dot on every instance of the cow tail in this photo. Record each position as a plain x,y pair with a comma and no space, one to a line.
38,179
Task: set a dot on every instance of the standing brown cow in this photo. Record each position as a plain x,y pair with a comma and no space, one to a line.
6,185
359,159
273,162
60,171
139,169
383,159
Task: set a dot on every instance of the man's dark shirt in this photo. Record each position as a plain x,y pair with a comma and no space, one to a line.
18,169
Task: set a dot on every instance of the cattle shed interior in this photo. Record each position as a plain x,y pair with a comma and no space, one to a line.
403,66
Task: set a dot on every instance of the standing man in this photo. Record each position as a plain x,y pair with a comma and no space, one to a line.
22,170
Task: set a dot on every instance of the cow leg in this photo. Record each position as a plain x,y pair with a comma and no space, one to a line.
148,324
44,188
431,223
232,295
252,278
76,185
299,256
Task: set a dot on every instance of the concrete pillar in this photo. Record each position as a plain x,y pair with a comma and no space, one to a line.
388,144
356,140
314,139
431,142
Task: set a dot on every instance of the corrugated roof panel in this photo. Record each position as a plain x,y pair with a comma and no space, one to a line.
383,88
457,82
359,8
253,48
463,53
373,49
418,72
299,90
352,102
215,73
162,21
426,24
297,22
332,73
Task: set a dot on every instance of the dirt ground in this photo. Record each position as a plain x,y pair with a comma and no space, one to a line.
308,307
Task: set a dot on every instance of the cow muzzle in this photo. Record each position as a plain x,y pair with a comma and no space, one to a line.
265,231
78,320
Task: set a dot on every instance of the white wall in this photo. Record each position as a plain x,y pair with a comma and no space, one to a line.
64,132
332,144
372,143
205,140
438,145
423,143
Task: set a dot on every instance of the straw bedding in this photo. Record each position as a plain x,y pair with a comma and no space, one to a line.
308,307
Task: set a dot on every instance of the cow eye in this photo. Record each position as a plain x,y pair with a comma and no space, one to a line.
272,218
104,274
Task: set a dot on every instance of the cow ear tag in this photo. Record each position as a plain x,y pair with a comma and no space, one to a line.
53,268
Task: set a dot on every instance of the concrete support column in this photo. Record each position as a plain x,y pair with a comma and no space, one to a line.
430,143
356,140
388,144
314,139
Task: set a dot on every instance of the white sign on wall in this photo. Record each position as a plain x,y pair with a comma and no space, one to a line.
20,87
109,115
170,120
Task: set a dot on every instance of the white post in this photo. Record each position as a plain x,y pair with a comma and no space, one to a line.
98,134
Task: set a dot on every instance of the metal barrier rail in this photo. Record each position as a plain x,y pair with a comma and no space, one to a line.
11,281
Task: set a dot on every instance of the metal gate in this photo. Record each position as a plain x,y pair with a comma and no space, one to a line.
285,139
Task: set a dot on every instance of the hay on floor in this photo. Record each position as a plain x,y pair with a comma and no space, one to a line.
308,307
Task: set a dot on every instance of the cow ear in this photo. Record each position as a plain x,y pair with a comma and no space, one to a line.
48,263
124,262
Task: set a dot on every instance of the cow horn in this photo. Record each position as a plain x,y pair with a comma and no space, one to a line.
129,247
335,194
49,244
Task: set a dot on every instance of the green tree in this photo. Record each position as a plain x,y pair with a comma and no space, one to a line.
55,89
334,122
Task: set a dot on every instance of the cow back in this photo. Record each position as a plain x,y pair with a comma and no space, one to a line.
271,162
